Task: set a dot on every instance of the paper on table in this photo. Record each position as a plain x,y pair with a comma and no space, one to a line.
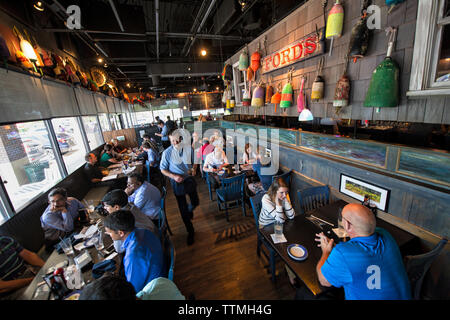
278,239
111,256
110,177
340,232
90,231
80,246
79,236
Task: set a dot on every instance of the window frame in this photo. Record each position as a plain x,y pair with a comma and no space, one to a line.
429,27
237,85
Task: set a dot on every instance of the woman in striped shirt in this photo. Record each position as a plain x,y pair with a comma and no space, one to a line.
276,204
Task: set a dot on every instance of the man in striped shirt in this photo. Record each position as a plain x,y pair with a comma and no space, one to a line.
14,273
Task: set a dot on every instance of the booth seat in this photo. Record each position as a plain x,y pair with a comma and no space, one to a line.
25,226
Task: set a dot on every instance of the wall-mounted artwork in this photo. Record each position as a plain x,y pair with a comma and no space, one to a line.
430,165
357,189
370,153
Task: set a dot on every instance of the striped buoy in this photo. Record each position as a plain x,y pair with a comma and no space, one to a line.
301,97
246,99
342,92
269,93
232,103
286,96
335,23
258,97
243,61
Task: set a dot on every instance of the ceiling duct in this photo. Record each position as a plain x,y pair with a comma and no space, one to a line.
225,12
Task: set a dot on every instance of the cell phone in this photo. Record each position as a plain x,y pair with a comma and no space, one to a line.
109,250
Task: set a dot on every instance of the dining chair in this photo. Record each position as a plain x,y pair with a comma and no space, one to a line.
169,252
147,168
210,187
163,223
231,190
313,198
418,265
285,176
255,202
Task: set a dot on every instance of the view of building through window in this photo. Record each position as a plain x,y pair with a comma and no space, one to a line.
93,132
70,142
27,162
104,123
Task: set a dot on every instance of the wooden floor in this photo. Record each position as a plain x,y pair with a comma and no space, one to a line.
222,263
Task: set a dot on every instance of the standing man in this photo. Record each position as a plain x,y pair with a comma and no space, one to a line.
164,134
143,260
369,266
174,164
57,221
170,124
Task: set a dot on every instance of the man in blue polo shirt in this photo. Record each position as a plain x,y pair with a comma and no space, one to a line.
143,260
164,134
369,266
174,164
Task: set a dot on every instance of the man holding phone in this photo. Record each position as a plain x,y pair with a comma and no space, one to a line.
57,221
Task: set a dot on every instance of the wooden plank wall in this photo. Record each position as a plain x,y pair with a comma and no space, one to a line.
129,134
303,21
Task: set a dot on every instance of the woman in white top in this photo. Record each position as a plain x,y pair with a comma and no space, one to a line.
275,204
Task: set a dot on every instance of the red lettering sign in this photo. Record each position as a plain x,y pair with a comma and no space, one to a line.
304,48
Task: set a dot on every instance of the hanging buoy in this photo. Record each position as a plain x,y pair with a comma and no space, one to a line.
301,97
392,4
258,97
276,98
255,61
227,73
359,40
286,96
243,61
232,102
335,23
246,100
318,84
384,86
269,93
250,74
342,92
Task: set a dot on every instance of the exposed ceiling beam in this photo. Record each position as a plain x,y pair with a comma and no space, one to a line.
152,33
113,7
205,17
195,24
157,28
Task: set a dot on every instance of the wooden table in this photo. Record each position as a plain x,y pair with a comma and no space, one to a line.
56,258
302,231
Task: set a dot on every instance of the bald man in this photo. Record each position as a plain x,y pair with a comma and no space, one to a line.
369,266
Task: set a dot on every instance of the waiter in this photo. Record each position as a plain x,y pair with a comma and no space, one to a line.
175,164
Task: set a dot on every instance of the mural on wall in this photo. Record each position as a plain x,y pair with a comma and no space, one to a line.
369,153
426,165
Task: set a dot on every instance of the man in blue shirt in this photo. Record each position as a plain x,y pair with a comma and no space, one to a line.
174,164
369,266
164,134
143,260
145,196
57,221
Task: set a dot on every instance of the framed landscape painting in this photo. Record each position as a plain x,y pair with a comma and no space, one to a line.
357,189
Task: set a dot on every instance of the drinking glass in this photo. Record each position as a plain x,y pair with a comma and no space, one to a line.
99,245
278,228
66,245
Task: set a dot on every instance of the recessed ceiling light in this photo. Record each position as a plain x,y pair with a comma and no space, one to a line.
100,60
203,52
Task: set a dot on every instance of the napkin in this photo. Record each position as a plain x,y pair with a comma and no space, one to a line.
110,177
278,239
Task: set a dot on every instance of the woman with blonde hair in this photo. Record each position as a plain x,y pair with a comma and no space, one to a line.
275,204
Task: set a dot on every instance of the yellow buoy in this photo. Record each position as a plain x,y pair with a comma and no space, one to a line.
335,23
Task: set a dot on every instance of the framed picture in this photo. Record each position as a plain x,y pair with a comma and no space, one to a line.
357,189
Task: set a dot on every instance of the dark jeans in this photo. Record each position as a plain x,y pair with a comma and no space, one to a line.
186,211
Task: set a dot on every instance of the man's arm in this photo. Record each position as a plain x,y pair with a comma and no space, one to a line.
6,286
326,245
31,258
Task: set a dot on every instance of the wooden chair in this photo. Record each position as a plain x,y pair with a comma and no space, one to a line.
285,176
255,202
313,198
231,190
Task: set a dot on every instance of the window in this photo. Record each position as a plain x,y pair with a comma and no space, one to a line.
240,85
177,114
104,123
93,132
430,70
163,114
70,142
144,117
27,161
3,213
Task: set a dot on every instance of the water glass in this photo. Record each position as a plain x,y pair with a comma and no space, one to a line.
278,228
99,245
66,245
